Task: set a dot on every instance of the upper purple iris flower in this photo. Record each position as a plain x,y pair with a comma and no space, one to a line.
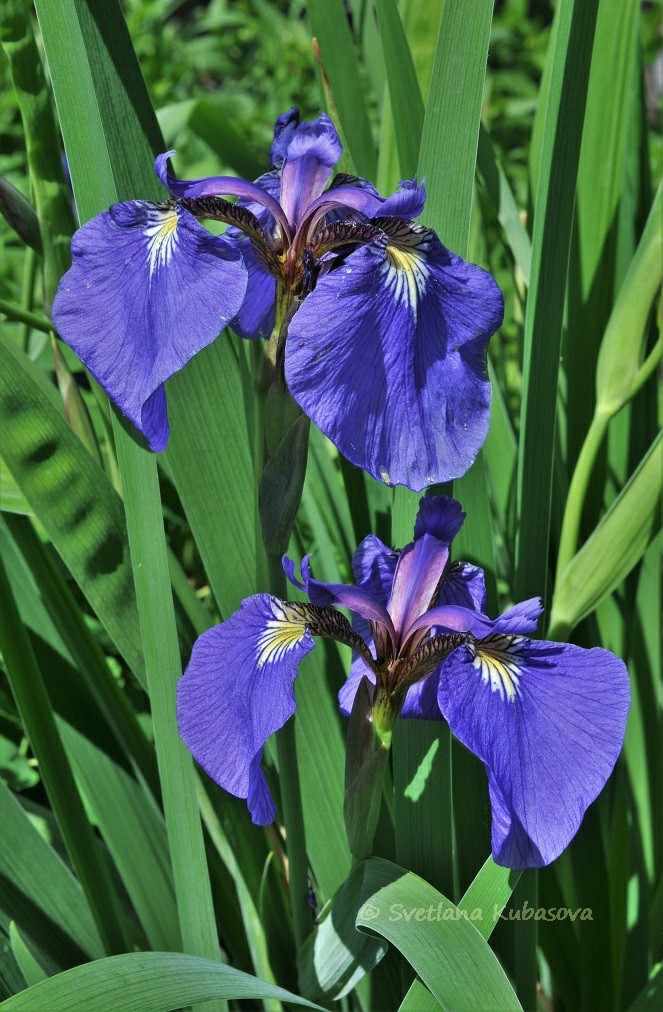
386,351
547,719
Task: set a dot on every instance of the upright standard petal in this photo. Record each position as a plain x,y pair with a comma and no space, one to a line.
548,721
237,691
313,150
148,288
284,129
388,357
422,562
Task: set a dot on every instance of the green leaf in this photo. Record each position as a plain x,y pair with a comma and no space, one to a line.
12,499
440,943
149,981
86,525
329,25
489,892
407,107
30,968
504,203
34,707
133,830
592,276
65,626
51,194
447,158
40,893
109,142
551,240
419,999
622,348
613,549
20,214
209,456
651,995
336,956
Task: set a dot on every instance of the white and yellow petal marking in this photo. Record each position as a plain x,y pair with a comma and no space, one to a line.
161,235
406,265
281,634
497,659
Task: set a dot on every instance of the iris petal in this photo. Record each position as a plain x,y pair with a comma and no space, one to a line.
237,691
548,721
257,314
388,357
148,288
312,151
422,562
218,186
284,129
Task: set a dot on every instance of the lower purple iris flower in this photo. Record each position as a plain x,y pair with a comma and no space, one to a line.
547,719
386,351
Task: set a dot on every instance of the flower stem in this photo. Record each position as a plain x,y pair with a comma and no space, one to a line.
35,320
568,541
293,814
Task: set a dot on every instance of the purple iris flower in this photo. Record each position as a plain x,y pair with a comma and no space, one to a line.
547,719
386,350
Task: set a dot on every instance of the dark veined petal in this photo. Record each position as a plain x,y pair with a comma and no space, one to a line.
218,186
464,585
257,313
312,151
387,355
148,288
548,720
340,595
237,690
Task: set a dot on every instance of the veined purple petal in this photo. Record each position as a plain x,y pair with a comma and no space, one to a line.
452,618
521,618
408,201
548,721
373,565
387,355
348,691
312,151
237,690
440,516
218,186
148,288
464,585
365,200
284,129
257,313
